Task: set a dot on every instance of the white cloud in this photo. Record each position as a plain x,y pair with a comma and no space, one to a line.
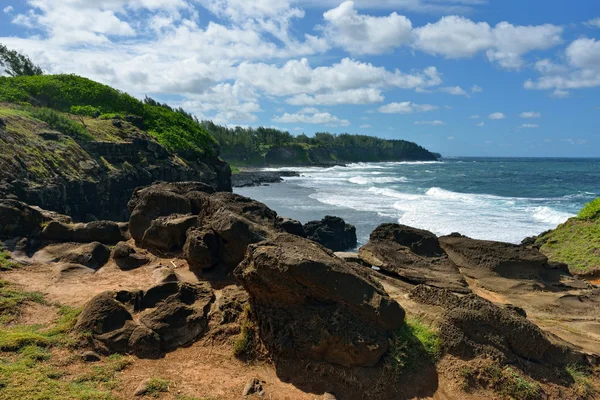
593,23
530,126
353,96
365,126
309,110
458,37
321,118
481,124
531,114
476,89
8,9
454,90
581,70
497,115
451,137
476,116
560,94
425,6
434,123
405,107
365,34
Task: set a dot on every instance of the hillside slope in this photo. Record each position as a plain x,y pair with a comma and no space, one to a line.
75,146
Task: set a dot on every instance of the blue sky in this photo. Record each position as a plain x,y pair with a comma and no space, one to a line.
460,77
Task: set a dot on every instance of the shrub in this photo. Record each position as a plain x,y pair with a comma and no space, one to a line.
413,345
591,210
61,123
87,111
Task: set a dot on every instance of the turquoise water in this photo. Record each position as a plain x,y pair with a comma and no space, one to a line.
485,198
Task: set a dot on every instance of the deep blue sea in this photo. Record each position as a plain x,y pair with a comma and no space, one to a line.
503,199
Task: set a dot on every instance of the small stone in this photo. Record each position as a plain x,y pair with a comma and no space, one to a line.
142,389
90,356
329,396
253,386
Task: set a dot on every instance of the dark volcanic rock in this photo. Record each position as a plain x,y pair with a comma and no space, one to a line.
202,249
413,255
292,226
171,315
127,258
310,304
92,255
18,219
106,232
169,233
473,326
257,178
332,232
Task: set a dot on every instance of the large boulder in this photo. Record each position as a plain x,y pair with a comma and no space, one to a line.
168,316
308,303
91,255
127,258
332,232
106,232
472,326
202,249
169,233
414,255
19,219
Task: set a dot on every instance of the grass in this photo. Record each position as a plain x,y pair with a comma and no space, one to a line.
29,371
590,211
61,123
505,381
12,300
5,260
575,243
582,385
235,170
156,386
413,345
244,346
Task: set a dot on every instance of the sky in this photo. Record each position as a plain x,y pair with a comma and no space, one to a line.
459,77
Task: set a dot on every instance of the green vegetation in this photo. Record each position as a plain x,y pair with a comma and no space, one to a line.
576,242
505,381
30,368
590,211
16,64
174,128
249,146
11,302
61,123
244,346
413,345
5,260
156,386
582,384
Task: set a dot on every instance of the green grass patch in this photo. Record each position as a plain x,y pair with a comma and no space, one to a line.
6,262
582,384
505,381
61,123
156,386
591,210
244,346
413,345
575,243
234,170
12,300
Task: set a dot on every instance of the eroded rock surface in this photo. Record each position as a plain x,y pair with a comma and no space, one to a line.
332,232
413,255
148,323
311,304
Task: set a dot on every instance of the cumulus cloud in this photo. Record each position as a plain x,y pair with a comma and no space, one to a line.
497,115
353,96
365,34
459,37
405,107
8,9
593,23
323,118
481,124
581,69
476,89
531,114
433,123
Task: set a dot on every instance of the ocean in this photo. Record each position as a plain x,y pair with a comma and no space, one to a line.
503,199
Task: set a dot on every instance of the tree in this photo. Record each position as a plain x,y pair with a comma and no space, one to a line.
16,64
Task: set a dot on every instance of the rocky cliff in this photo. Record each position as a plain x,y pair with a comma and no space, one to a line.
93,178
